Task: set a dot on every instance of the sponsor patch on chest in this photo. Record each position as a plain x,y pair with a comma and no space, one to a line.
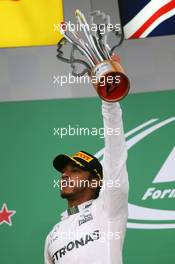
85,218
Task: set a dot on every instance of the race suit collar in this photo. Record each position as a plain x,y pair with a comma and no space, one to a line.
75,209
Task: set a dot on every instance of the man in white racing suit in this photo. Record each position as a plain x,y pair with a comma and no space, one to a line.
92,229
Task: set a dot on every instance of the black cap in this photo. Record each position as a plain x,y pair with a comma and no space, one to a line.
82,159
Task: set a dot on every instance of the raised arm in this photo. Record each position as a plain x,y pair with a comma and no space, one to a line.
114,197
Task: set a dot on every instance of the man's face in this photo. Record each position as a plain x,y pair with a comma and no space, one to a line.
74,181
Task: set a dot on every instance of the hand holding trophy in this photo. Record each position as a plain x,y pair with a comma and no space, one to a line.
101,64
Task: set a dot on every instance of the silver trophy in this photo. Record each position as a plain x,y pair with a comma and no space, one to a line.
99,60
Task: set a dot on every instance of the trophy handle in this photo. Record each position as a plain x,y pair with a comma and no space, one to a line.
60,53
73,61
121,40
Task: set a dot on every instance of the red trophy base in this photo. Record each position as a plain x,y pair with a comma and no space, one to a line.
111,83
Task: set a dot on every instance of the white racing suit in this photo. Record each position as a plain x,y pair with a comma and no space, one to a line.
96,233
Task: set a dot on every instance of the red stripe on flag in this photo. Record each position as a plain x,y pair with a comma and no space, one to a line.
164,9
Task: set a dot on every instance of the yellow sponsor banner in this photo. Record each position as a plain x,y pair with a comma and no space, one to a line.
83,156
30,22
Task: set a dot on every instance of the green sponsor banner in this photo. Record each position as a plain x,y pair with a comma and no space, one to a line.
33,133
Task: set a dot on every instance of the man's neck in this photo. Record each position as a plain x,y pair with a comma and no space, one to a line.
73,203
